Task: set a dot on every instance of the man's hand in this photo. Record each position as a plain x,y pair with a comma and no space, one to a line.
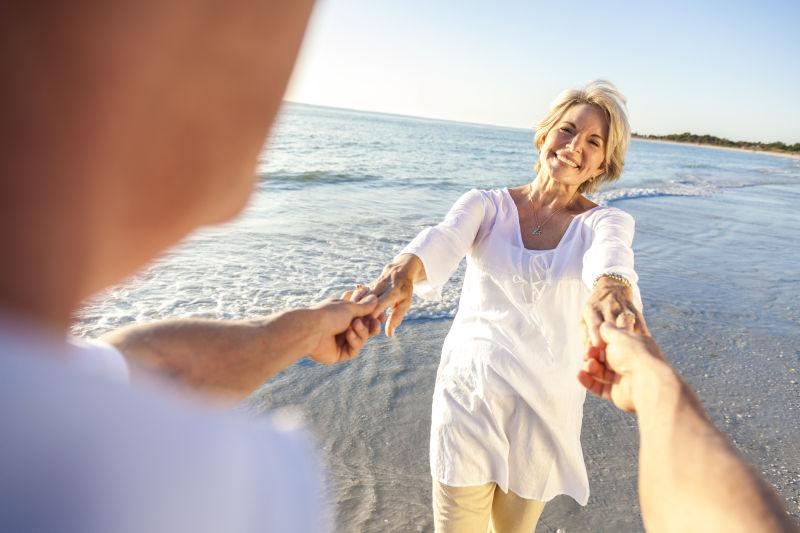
342,328
629,360
691,478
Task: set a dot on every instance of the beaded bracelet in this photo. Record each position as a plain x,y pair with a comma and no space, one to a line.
615,277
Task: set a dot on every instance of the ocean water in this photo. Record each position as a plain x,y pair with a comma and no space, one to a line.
341,192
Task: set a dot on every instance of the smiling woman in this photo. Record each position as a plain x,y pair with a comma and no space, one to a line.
541,257
597,98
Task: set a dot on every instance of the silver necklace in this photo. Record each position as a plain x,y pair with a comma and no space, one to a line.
538,229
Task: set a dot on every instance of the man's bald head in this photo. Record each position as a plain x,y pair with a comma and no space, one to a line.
127,124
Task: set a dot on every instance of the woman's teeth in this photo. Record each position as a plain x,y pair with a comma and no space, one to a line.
567,161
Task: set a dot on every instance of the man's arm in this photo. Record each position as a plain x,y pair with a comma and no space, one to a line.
690,477
231,358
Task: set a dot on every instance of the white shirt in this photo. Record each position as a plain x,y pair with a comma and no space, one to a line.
82,451
507,406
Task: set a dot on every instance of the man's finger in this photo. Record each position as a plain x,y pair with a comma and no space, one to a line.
364,307
611,333
621,345
360,329
354,343
626,320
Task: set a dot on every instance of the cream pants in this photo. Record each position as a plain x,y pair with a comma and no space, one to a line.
482,508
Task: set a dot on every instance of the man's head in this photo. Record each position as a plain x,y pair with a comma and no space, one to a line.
128,124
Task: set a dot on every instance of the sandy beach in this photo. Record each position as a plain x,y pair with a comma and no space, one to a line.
715,147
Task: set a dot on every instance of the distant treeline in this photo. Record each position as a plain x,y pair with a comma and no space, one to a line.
687,137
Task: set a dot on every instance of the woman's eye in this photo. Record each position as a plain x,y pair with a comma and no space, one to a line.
565,130
595,143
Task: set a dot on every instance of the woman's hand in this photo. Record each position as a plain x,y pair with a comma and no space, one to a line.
610,301
394,289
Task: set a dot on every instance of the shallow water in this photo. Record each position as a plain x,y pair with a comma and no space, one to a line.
341,192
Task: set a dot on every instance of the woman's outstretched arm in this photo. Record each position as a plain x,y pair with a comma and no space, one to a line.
608,271
428,261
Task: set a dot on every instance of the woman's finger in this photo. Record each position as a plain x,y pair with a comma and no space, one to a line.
586,380
379,286
346,295
398,313
389,299
610,310
599,371
374,326
590,383
641,324
360,292
585,336
592,318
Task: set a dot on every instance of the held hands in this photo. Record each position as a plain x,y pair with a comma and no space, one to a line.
616,336
631,360
611,301
394,289
343,327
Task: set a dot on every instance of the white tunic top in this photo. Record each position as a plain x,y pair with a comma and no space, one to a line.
507,406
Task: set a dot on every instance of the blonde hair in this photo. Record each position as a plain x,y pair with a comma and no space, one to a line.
606,96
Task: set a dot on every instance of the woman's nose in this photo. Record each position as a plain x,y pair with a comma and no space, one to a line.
575,143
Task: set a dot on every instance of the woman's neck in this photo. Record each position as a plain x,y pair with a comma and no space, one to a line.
546,192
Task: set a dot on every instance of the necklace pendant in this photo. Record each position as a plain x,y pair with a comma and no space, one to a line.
537,231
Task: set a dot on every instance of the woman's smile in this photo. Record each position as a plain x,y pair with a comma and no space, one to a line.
566,159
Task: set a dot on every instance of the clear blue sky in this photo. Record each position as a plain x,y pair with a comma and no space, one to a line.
727,68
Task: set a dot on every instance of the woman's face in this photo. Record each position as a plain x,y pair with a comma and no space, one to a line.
574,150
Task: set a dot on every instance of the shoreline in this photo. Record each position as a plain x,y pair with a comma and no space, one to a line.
714,146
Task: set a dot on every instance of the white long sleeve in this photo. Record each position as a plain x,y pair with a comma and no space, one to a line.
442,247
611,250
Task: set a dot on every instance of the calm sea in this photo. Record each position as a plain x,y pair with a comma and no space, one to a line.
340,192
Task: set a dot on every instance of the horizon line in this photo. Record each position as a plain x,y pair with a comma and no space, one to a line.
401,115
465,123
